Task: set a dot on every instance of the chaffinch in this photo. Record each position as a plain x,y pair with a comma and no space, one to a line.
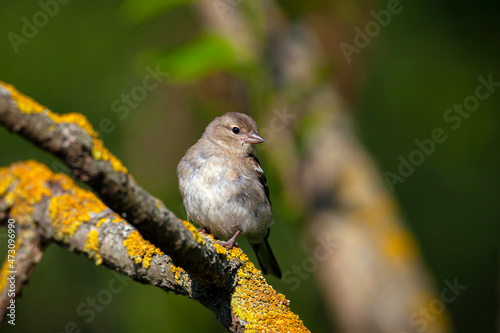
224,188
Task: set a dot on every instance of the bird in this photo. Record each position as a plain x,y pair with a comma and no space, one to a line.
224,189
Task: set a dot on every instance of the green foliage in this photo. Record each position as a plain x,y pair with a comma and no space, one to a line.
196,59
139,11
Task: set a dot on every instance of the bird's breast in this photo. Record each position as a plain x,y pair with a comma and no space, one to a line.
224,198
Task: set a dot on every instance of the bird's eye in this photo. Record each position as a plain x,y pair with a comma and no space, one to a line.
236,130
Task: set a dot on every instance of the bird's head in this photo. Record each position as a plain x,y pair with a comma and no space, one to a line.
235,131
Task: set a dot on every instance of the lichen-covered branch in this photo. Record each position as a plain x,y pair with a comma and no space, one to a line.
72,138
25,250
50,207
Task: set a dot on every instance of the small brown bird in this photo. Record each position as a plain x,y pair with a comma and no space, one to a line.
224,187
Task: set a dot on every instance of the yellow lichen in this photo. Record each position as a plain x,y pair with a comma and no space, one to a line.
101,221
66,216
393,241
75,118
180,275
4,275
258,304
5,181
139,249
4,271
28,105
219,248
68,211
24,103
116,219
398,245
63,180
29,189
194,231
99,152
92,246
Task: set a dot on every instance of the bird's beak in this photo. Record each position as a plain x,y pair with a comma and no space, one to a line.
253,138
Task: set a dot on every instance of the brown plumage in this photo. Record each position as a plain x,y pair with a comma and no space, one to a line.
224,187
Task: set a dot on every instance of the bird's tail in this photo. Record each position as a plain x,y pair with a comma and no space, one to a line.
267,261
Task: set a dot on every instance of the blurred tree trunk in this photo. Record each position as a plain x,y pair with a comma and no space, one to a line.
375,280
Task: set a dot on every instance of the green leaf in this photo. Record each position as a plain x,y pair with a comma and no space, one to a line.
198,58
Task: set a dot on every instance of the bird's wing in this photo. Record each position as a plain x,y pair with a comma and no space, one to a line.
254,161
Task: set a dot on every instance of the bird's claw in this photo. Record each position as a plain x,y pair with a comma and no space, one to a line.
229,244
203,230
231,241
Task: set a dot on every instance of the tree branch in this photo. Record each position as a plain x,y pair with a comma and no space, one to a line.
50,207
19,264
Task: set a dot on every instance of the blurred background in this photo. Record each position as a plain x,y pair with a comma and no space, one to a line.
381,151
